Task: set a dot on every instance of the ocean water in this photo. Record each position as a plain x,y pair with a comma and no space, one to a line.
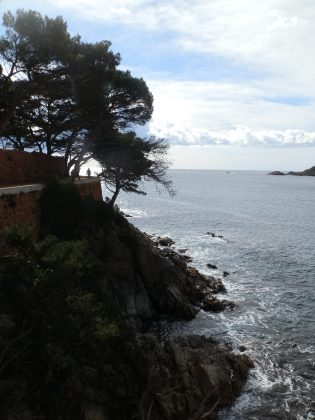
268,226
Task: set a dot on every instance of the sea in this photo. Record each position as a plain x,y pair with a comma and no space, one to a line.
268,247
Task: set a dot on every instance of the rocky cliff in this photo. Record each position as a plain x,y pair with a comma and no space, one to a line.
70,364
151,282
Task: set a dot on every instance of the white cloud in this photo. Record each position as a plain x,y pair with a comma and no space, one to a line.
274,38
273,35
210,106
238,136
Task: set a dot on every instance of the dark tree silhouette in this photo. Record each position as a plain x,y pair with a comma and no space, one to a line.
59,95
133,160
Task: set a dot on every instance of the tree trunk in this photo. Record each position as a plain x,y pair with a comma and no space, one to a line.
114,197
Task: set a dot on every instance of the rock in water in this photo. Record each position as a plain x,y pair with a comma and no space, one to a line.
213,266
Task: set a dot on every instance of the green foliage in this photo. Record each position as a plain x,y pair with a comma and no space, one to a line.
61,209
18,237
54,319
54,292
67,215
133,160
61,95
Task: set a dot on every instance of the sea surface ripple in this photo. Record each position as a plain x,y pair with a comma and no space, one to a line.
268,226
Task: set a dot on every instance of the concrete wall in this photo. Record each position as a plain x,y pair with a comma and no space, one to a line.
21,167
22,208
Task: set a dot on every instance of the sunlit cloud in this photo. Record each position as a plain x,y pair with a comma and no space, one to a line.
238,136
275,38
215,106
274,35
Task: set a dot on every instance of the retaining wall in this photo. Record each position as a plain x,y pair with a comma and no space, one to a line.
18,167
22,208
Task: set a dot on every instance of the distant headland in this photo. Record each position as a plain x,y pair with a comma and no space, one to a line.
307,172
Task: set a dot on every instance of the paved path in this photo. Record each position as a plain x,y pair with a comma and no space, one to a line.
26,188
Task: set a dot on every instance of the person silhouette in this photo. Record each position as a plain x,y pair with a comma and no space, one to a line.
88,172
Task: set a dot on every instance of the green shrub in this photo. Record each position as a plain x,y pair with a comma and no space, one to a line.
68,216
61,209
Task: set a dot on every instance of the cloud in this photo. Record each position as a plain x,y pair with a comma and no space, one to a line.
272,39
275,38
238,136
217,105
274,35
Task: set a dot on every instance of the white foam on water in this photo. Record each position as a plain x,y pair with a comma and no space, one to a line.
309,349
136,213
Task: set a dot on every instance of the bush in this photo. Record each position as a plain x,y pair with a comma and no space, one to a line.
61,209
67,216
54,291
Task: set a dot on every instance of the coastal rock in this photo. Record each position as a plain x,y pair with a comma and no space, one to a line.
211,234
226,273
213,266
150,282
176,257
185,378
276,173
212,304
191,377
165,241
306,172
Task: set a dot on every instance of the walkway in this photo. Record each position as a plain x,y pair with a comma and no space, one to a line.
26,188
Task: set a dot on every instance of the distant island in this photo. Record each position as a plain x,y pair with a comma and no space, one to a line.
307,172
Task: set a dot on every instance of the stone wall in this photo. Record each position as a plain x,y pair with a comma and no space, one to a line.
18,167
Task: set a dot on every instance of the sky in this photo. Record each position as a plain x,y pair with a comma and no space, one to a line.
233,80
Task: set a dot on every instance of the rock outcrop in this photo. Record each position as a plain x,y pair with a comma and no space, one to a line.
150,281
307,172
191,378
276,173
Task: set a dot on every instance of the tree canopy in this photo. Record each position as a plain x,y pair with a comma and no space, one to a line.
132,160
60,95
